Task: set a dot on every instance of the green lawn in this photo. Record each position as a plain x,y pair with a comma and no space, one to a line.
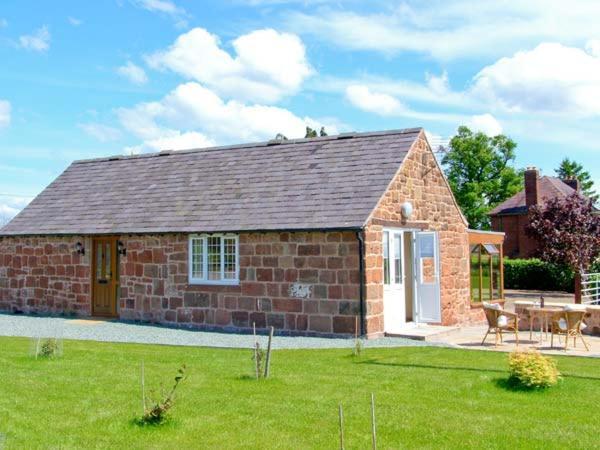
425,398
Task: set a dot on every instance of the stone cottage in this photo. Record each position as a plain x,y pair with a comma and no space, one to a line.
324,236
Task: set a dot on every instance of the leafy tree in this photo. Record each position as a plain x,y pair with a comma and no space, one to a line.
310,133
567,232
480,172
572,169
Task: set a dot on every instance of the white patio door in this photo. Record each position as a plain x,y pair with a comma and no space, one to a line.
394,307
427,259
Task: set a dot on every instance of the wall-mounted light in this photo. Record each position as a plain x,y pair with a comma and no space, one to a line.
79,248
121,248
406,210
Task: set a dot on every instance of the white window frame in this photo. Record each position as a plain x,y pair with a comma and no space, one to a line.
204,279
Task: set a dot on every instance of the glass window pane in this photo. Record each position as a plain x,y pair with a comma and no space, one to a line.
198,258
496,287
386,257
491,249
427,258
229,258
475,265
99,251
214,257
485,277
108,271
398,258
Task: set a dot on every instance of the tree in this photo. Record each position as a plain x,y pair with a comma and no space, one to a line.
310,133
480,172
572,169
567,232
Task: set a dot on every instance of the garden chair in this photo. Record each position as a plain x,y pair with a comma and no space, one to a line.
500,321
569,323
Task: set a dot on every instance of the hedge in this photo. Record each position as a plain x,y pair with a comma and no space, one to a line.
535,274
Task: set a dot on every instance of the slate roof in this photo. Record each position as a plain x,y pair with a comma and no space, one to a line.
331,182
548,187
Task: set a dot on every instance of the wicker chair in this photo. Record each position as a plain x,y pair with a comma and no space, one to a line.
568,324
500,321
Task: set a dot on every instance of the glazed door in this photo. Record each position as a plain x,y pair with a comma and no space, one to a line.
429,308
394,305
104,277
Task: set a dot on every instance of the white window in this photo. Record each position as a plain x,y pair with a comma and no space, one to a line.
214,259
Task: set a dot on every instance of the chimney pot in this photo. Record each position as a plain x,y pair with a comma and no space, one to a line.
531,187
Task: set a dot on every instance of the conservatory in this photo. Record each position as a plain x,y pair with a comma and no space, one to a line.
486,266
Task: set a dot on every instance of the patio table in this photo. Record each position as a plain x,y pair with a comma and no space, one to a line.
544,314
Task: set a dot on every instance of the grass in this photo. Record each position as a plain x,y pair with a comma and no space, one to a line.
425,398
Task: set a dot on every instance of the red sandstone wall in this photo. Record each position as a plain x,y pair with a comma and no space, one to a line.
44,275
47,276
154,283
421,182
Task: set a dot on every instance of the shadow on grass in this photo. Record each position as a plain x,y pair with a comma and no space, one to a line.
513,385
460,368
168,422
427,366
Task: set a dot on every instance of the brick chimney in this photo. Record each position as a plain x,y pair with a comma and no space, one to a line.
531,186
573,182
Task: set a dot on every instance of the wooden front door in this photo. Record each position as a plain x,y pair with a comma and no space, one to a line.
105,276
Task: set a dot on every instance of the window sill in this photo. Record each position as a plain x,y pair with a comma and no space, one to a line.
213,283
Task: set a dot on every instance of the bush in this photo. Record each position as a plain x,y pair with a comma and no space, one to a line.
536,274
532,370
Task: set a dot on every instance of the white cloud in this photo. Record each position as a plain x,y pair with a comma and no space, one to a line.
593,47
166,7
551,78
267,66
133,73
5,109
383,104
38,41
101,132
452,30
74,21
10,207
193,115
486,123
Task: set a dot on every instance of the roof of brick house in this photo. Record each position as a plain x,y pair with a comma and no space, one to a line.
331,182
549,187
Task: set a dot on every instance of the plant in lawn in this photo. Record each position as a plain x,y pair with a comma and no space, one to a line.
567,232
47,348
532,370
160,406
261,357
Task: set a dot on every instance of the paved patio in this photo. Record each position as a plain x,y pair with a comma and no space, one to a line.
471,337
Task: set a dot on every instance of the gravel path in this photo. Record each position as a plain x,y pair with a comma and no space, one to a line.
114,331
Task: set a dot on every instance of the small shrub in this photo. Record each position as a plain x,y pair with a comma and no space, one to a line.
160,406
533,370
47,348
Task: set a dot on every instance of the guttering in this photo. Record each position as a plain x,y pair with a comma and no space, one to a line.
361,274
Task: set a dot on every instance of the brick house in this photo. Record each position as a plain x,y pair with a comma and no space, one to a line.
310,236
511,216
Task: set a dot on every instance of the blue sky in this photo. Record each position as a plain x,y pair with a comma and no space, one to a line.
88,79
